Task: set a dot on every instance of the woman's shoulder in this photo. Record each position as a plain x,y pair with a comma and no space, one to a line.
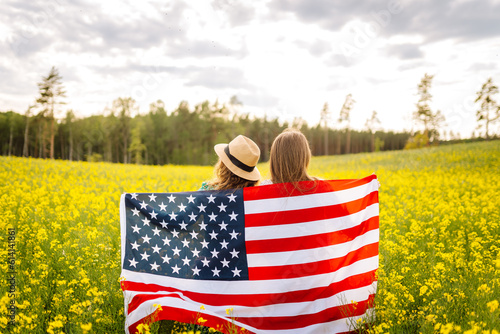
206,186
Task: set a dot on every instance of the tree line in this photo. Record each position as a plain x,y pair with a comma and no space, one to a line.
187,134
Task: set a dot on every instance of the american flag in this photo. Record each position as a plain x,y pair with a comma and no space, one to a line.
269,259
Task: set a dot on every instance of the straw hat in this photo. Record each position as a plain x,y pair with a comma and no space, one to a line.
240,156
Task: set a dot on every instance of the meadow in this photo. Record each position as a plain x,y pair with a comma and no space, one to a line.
439,269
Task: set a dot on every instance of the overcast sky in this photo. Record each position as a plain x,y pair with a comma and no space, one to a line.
281,58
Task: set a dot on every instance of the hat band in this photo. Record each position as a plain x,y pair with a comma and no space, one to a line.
236,162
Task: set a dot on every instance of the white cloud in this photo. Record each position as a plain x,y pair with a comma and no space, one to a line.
281,58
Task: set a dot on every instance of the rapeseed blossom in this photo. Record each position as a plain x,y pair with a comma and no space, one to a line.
439,262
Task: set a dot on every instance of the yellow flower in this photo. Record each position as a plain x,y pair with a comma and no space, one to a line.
229,311
86,327
493,305
202,307
201,320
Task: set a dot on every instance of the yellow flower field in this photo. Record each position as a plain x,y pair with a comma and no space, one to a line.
439,242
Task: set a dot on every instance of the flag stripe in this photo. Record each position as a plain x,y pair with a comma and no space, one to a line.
288,190
304,256
254,287
311,241
255,300
312,268
277,232
267,218
274,316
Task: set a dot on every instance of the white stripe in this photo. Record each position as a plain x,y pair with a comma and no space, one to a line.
275,310
123,225
254,287
309,201
312,255
312,227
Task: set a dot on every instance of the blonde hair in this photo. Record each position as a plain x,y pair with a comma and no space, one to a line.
225,179
290,157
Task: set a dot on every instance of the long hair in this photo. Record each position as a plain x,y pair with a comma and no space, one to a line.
290,157
225,179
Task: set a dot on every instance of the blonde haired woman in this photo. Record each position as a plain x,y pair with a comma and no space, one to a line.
236,167
289,158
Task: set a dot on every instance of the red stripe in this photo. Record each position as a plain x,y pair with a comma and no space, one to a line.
303,320
152,291
259,322
311,241
188,317
310,214
313,187
312,268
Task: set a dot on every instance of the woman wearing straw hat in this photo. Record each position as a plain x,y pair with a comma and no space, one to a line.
236,167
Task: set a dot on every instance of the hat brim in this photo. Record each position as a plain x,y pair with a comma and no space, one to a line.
252,176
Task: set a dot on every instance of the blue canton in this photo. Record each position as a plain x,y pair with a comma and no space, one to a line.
193,235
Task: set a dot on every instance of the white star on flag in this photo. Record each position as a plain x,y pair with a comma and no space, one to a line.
166,241
153,214
201,207
163,207
191,199
136,228
212,216
196,271
223,226
192,217
211,199
213,235
234,253
146,221
224,244
234,235
225,263
171,198
135,245
236,272
215,253
134,196
182,208
133,262
185,243
186,261
222,207
232,198
204,244
196,252
152,198
135,212
166,258
143,205
233,216
154,266
216,271
156,249
145,256
156,231
206,263
172,216
183,226
176,251
176,269
145,238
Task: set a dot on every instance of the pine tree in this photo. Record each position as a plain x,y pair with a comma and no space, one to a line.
490,110
51,92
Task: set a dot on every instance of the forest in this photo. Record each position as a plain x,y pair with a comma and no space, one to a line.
186,135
